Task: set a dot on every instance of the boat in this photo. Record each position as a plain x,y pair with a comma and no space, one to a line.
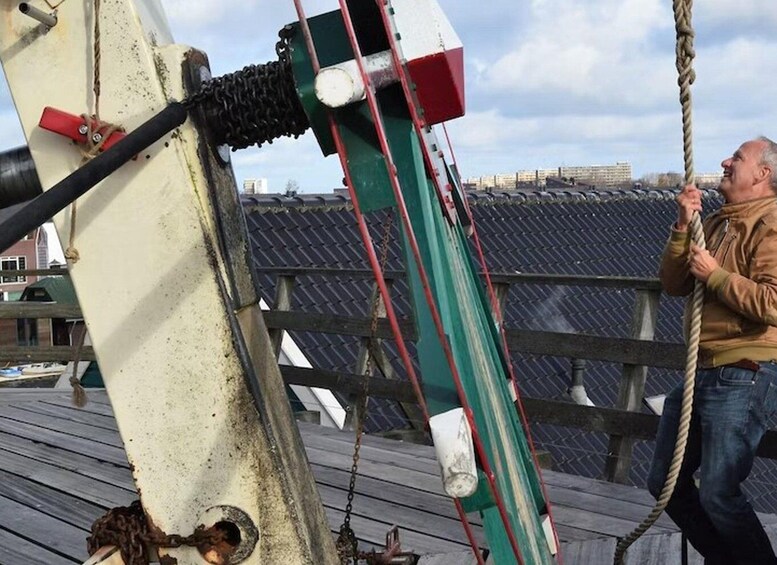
10,372
43,369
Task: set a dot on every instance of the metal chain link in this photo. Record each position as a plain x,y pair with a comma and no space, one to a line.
256,104
347,544
127,528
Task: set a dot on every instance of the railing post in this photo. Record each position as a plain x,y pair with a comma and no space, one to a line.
363,365
283,291
632,385
500,291
413,412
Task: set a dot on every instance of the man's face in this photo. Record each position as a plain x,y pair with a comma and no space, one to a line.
743,172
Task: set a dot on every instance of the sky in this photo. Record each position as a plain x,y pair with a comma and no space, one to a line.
548,83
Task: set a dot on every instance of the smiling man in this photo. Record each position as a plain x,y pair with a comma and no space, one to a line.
736,384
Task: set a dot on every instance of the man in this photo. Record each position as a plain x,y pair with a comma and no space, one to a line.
736,384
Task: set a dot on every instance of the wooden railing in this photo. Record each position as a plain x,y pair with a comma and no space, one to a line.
623,422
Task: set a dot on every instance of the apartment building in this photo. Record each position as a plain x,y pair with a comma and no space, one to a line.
618,174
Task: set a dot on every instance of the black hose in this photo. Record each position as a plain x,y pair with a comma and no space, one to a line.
42,208
18,178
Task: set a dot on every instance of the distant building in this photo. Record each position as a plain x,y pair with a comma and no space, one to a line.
618,174
708,180
31,252
255,186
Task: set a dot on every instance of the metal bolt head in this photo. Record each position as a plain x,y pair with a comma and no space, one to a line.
97,137
82,129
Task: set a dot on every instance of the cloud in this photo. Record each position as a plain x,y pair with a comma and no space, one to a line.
736,77
593,52
548,81
719,19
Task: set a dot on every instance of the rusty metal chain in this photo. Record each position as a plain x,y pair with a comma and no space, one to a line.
347,544
256,104
392,554
127,528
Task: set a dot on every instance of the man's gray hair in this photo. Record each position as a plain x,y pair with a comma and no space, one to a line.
769,159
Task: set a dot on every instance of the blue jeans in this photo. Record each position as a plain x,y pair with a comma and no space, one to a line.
730,414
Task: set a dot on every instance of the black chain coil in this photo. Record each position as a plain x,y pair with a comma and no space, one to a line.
254,105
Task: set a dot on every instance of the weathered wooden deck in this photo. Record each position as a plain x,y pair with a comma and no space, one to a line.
62,467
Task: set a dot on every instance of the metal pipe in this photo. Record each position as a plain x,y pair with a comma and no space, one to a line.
18,177
577,390
341,84
37,211
49,20
578,371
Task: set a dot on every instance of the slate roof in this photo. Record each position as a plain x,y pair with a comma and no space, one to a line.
616,232
58,289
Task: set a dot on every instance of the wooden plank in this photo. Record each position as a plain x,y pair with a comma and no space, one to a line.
43,353
15,550
600,348
400,494
599,523
25,309
598,487
393,486
70,427
598,551
414,449
369,452
372,535
408,477
458,558
348,383
36,394
591,418
64,507
69,413
567,533
331,271
608,506
648,283
91,490
34,272
97,402
389,512
84,465
658,549
98,451
41,529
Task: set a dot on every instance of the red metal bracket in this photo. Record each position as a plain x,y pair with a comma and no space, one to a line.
75,127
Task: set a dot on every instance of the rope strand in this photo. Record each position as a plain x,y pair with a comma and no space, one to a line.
686,76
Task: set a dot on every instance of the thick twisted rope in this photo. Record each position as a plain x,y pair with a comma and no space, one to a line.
686,77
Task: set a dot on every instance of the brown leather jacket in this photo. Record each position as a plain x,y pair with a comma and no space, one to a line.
739,318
